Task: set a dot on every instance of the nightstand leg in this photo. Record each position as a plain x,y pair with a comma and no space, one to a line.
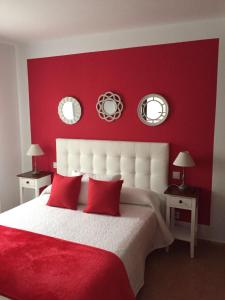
196,227
21,194
168,216
172,218
167,221
193,231
36,192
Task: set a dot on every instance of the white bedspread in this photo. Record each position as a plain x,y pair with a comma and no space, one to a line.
138,231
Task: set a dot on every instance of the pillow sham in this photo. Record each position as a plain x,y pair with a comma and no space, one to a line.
65,191
83,196
104,197
85,176
103,177
46,190
137,196
106,177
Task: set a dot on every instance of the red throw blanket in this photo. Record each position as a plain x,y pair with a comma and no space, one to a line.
35,266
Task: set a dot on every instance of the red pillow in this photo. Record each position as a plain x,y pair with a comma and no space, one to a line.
65,191
104,197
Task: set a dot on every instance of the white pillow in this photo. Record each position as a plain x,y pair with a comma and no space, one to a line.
47,190
106,177
137,196
82,199
85,176
103,177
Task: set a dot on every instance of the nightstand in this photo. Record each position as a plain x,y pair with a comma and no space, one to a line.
33,181
183,199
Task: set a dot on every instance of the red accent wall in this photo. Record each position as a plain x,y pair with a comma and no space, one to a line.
184,73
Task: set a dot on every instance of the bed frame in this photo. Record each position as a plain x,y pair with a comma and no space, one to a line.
143,165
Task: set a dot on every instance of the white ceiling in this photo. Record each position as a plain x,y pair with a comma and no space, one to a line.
34,20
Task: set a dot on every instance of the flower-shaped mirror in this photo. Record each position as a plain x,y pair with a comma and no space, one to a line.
109,106
153,109
69,110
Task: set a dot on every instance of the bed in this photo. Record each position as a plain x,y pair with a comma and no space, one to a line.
131,237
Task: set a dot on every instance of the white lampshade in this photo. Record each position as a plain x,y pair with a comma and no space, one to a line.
35,150
184,160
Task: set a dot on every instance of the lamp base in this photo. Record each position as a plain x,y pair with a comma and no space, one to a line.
35,172
182,187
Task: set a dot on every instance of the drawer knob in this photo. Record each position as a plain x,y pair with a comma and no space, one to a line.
27,182
180,201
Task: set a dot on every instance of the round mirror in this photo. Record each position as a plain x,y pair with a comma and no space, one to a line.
153,109
109,106
69,110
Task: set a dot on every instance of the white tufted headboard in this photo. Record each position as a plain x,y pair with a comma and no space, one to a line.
142,165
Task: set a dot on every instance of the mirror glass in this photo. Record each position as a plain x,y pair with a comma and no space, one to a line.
110,107
69,110
153,109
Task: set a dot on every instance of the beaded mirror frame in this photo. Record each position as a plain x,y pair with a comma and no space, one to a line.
69,110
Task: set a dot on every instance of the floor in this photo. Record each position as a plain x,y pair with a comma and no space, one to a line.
175,276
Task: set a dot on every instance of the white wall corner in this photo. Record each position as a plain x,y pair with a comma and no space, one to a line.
10,162
23,107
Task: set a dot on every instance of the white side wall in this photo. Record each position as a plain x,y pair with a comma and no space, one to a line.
139,37
10,154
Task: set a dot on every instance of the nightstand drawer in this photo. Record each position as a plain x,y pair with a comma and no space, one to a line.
26,182
179,202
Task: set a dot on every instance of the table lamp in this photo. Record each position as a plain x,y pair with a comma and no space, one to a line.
35,150
183,160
